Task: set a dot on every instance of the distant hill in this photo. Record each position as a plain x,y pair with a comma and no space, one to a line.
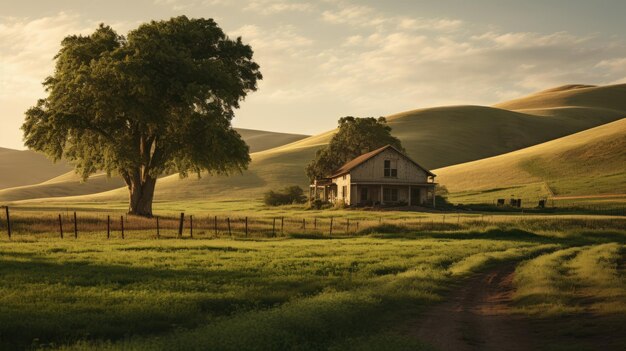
259,140
591,162
27,167
37,176
434,137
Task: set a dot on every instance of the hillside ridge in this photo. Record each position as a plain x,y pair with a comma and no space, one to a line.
435,137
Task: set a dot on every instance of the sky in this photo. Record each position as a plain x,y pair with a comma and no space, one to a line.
325,59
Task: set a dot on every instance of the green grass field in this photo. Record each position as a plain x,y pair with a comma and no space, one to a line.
347,292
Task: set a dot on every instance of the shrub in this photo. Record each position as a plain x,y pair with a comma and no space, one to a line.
318,204
441,190
289,195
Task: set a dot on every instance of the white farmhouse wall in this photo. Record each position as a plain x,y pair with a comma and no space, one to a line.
373,170
341,181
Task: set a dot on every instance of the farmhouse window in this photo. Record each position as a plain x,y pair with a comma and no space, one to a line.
391,169
344,192
390,195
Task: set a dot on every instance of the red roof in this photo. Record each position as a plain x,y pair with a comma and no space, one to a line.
348,166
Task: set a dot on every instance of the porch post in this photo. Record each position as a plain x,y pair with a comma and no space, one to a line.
434,198
381,195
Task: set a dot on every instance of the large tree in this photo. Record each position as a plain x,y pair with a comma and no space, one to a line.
355,137
158,101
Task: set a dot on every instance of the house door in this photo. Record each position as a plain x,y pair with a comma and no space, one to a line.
415,197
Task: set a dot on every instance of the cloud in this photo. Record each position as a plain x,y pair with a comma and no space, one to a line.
324,59
263,7
366,16
270,7
28,47
436,24
281,52
396,66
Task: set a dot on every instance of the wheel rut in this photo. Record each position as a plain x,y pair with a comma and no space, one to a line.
477,316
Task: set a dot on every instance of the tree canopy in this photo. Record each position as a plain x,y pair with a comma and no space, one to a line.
158,101
355,137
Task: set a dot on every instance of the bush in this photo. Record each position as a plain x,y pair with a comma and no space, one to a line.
289,195
318,204
441,190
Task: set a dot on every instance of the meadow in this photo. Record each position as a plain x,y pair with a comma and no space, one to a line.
310,292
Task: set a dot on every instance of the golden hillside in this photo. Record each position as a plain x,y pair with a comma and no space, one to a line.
591,162
27,167
26,174
435,137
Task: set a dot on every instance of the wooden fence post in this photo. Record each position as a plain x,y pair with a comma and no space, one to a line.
330,232
347,226
315,223
229,232
357,226
60,226
191,226
122,225
158,229
303,224
246,227
282,225
108,226
75,227
274,227
180,225
6,208
215,226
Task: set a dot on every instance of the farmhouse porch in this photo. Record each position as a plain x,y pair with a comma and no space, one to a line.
375,194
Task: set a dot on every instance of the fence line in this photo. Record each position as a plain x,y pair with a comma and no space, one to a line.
93,224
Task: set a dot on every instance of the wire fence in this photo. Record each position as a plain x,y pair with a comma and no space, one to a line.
75,224
551,207
72,224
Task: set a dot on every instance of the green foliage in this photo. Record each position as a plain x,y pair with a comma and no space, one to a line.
441,190
355,137
289,195
157,101
318,204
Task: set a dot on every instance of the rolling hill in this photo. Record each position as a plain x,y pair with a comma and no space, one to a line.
591,162
27,167
259,140
435,137
32,175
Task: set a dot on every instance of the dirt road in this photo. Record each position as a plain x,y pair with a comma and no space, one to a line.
476,316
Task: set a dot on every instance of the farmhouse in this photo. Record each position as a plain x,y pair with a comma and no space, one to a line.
385,176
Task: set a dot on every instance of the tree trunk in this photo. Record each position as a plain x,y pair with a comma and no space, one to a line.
141,194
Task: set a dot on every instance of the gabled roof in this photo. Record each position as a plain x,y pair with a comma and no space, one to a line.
348,166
